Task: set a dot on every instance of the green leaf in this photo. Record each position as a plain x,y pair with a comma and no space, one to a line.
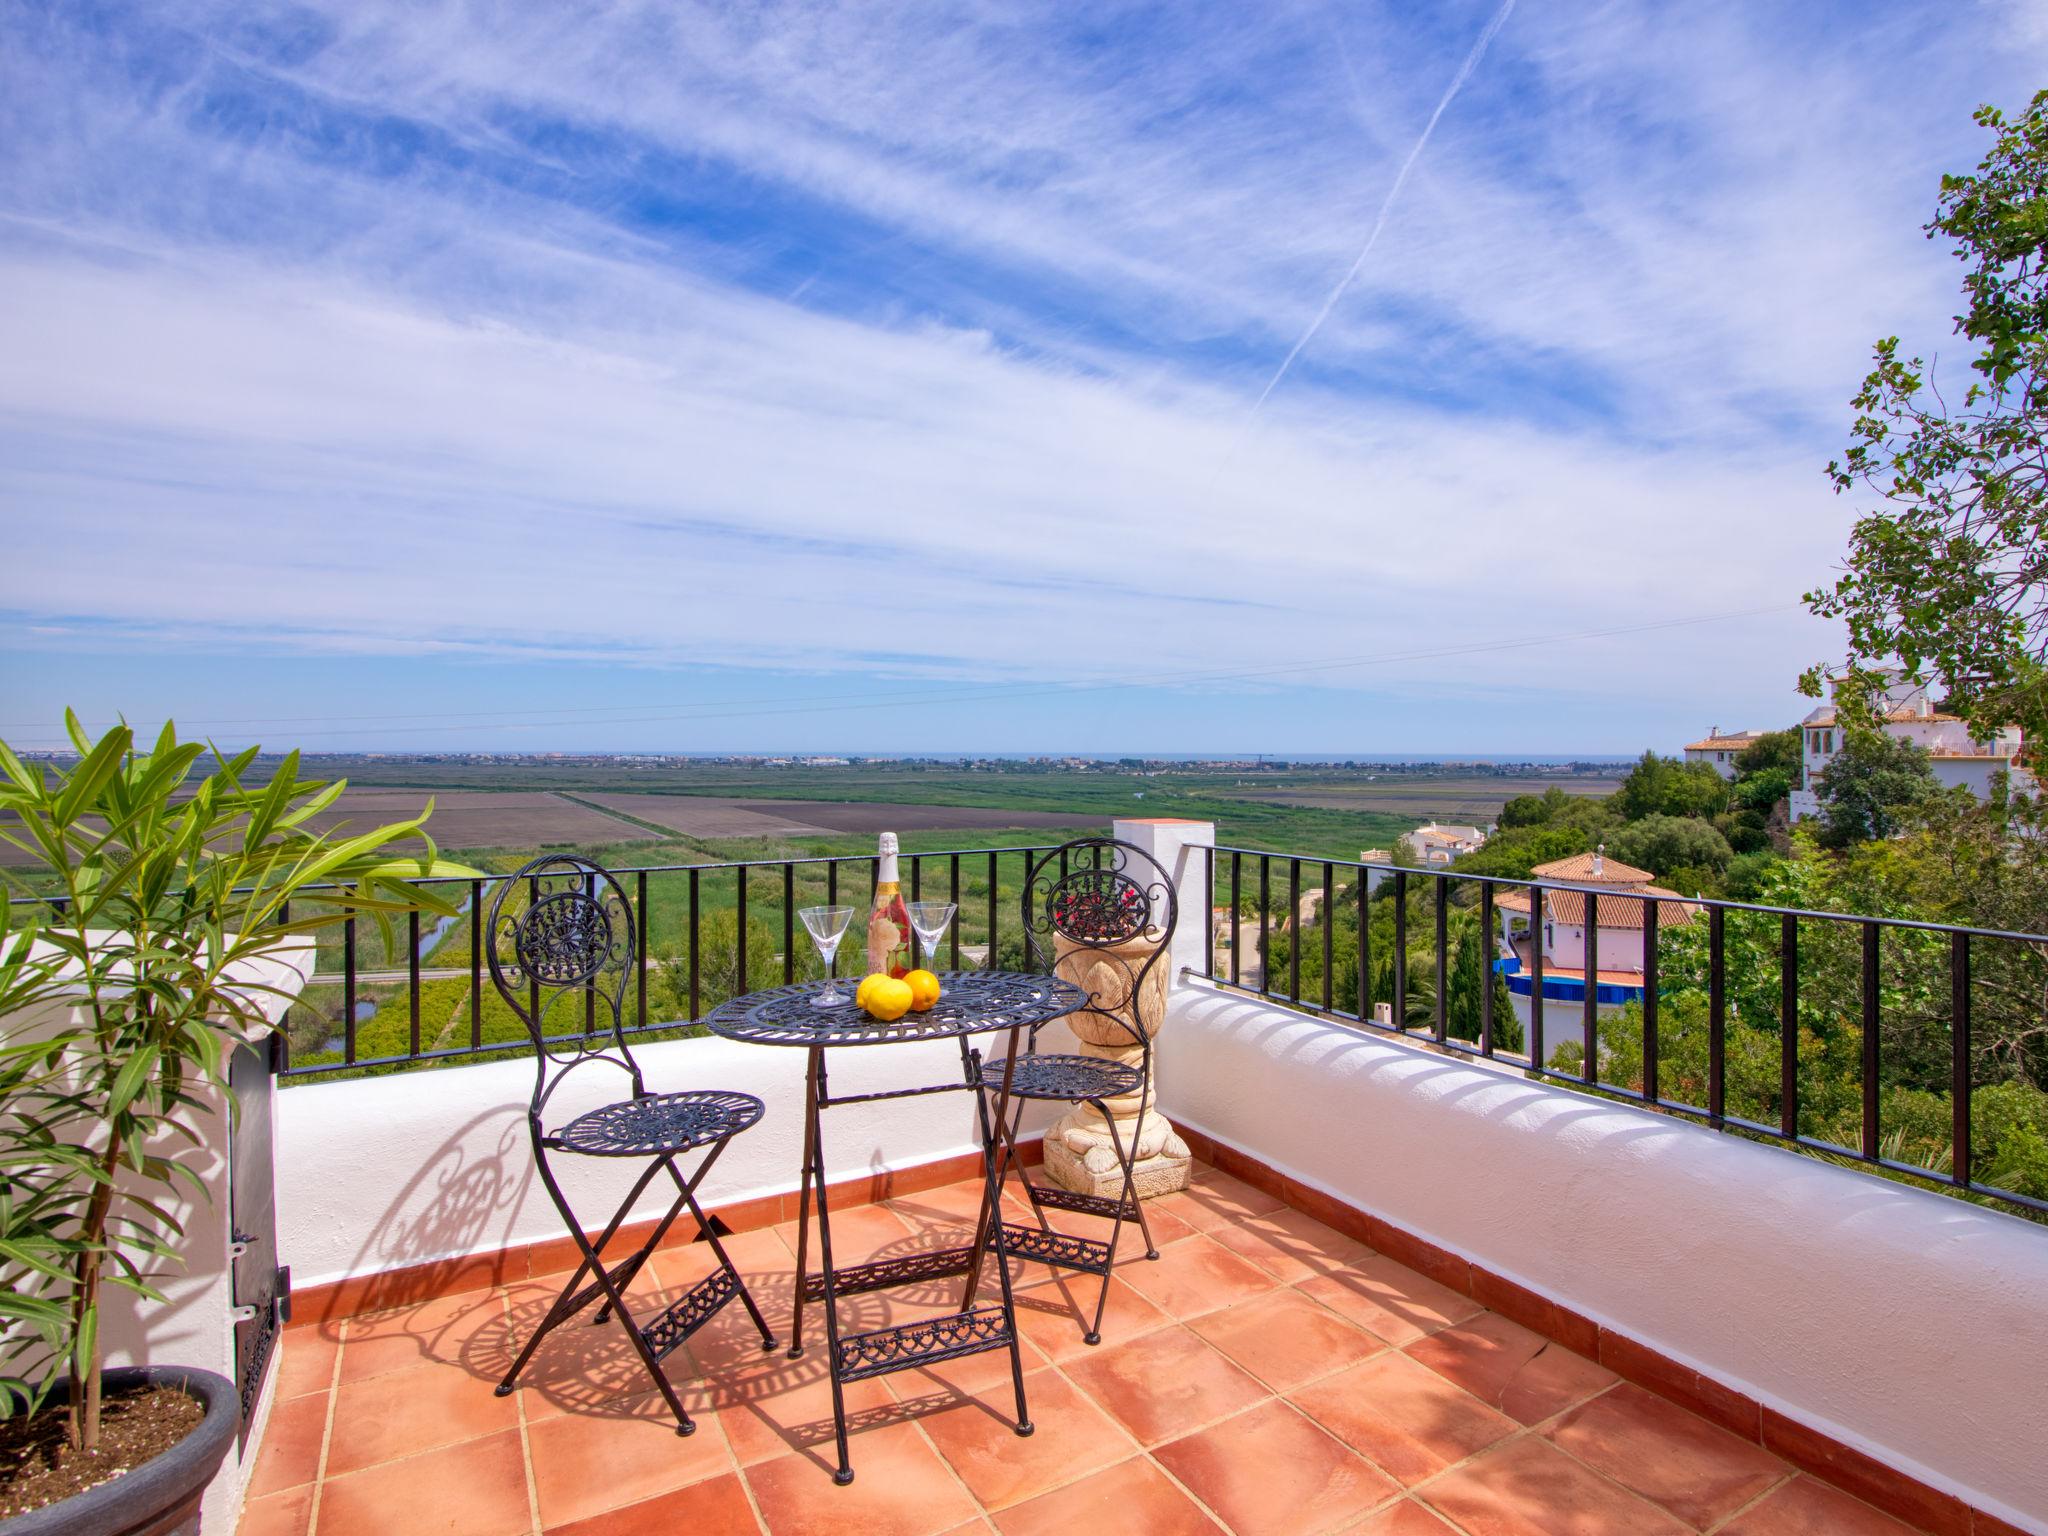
133,1077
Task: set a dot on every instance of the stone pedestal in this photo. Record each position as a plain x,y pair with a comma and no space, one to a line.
1079,1153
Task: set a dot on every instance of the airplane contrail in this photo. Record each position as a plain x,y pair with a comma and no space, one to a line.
1386,206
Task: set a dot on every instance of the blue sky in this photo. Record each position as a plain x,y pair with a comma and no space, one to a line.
890,377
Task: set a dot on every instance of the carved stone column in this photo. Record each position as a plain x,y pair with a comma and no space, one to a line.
1079,1154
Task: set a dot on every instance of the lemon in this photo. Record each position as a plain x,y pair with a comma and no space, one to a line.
924,990
888,998
867,985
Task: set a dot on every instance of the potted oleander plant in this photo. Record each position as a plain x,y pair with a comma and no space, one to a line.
163,883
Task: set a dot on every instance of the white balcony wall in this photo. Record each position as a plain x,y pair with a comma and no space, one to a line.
380,1173
375,1174
1897,1320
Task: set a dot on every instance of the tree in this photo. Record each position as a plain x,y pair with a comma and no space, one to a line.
1869,786
1947,575
1532,810
1665,786
1555,808
1513,854
1665,844
1763,789
1773,749
169,911
1748,874
1471,970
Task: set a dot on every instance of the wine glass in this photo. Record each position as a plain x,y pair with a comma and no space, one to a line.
929,920
827,926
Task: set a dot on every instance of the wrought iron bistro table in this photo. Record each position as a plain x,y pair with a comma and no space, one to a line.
970,1003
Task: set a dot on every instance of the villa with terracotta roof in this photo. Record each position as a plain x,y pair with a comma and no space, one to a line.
1616,931
1719,751
1954,755
1436,844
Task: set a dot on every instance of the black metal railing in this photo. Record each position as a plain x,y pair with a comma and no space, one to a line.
1899,1027
703,936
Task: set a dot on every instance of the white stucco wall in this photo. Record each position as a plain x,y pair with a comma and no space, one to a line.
1899,1321
379,1173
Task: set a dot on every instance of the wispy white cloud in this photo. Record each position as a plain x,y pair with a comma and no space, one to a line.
672,333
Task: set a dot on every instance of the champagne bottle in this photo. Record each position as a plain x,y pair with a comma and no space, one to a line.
888,922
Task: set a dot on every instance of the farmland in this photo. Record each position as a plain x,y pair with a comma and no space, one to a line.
493,815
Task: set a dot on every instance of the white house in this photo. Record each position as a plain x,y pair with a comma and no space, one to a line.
1910,715
1436,844
1620,919
1719,751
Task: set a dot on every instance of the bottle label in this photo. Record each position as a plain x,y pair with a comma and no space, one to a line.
889,935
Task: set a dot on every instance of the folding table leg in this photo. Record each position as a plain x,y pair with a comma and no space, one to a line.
803,1206
994,1203
843,1474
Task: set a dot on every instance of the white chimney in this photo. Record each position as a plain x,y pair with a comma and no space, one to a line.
1599,859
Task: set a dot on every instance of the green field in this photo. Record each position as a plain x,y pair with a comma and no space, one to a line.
498,814
1321,812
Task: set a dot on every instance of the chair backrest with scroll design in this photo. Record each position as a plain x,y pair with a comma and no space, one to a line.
561,941
1113,900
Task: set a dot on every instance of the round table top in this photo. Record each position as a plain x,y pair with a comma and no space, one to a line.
970,1003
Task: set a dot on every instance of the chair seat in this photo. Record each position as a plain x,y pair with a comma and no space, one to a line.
661,1122
1067,1079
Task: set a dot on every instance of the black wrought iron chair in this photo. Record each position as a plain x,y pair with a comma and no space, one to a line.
1105,898
562,950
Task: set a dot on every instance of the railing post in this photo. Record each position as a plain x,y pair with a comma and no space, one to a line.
740,881
953,895
1438,886
1536,977
640,946
1788,1025
1959,1060
696,969
589,993
1871,1024
788,921
1329,911
1717,1016
1364,945
1589,1019
348,990
476,965
1265,924
412,981
1401,950
1294,930
1236,926
1208,912
1486,963
1651,929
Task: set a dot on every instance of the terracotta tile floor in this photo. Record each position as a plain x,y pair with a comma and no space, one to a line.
1267,1376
